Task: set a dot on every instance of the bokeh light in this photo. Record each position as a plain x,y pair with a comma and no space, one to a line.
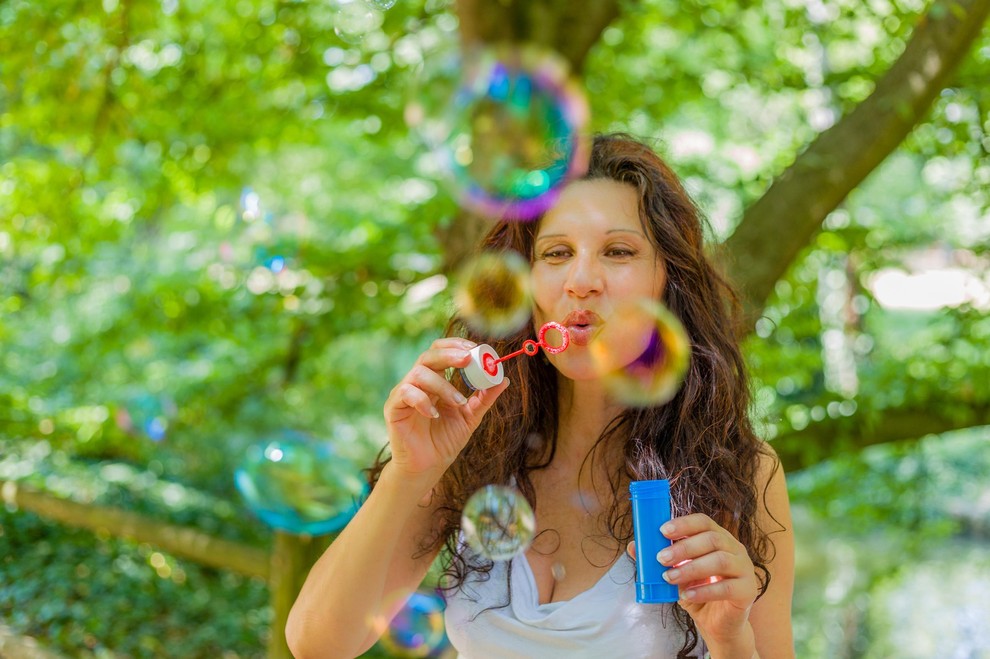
508,126
493,293
498,522
300,485
417,630
642,353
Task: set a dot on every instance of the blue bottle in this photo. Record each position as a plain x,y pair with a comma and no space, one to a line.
650,510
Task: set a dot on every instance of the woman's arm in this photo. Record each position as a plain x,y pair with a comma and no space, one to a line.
766,632
771,614
363,578
717,581
357,586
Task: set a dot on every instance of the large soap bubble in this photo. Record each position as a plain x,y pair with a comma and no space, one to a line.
498,522
642,353
508,126
418,628
299,485
493,293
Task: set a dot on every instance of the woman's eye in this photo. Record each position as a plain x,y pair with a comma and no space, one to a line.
555,254
621,251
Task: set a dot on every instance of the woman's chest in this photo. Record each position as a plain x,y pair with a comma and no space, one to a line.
573,547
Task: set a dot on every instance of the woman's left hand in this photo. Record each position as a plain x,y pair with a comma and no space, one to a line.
714,575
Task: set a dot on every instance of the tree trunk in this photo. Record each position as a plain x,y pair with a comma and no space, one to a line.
568,27
793,208
292,558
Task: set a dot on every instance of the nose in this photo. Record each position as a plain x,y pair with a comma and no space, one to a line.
584,277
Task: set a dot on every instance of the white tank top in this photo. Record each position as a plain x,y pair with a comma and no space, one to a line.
602,622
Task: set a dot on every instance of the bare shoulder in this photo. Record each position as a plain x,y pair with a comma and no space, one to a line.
771,490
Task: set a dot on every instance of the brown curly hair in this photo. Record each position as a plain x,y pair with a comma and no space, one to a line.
701,440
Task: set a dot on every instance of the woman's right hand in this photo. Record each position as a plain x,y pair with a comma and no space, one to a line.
428,420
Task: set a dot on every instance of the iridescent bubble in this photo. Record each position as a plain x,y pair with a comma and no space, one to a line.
355,19
299,485
418,628
493,293
507,125
266,239
146,415
642,353
384,5
498,522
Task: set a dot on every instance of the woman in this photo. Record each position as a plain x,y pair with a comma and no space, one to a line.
626,231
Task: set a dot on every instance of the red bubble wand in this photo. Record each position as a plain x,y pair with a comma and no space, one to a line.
531,347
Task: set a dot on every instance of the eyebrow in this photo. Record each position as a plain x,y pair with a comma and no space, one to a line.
563,235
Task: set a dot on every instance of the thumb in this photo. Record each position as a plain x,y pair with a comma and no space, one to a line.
631,550
481,402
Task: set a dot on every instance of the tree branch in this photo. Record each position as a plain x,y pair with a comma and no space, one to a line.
179,540
827,438
795,205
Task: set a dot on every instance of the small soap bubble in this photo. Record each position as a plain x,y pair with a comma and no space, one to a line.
146,415
507,125
384,5
493,293
300,485
498,522
642,354
558,571
355,19
418,628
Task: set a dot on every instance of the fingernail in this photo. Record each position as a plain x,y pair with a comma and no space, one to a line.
670,575
460,398
688,595
435,413
665,555
667,528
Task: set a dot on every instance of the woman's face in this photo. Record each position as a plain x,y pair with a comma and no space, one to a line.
591,260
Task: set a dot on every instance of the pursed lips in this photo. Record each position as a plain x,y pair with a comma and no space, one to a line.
581,325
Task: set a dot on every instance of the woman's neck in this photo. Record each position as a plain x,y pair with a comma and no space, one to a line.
584,413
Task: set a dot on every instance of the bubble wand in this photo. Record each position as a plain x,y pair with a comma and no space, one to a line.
485,371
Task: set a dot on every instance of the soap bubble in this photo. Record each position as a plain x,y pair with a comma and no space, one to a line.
418,628
384,5
265,239
642,353
507,125
355,19
147,415
493,293
299,485
498,522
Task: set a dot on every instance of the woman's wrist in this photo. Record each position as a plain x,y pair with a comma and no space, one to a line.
415,487
739,646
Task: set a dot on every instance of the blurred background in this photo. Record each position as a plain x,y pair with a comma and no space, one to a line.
222,243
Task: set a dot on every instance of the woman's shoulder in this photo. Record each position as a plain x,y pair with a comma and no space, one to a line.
771,488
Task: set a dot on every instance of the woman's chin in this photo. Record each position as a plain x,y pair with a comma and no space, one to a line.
578,371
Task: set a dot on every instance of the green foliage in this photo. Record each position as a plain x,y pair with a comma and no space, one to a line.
87,594
132,267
